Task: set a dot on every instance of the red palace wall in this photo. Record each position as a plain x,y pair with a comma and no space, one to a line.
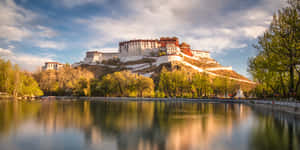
186,49
166,40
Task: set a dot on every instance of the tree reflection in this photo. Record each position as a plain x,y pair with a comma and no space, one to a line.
150,125
13,113
276,131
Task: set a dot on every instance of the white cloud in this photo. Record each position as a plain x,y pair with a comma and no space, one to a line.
11,14
5,52
253,31
12,21
50,44
18,25
46,32
202,23
11,33
74,3
214,44
25,61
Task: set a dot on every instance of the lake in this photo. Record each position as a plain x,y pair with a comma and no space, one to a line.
131,125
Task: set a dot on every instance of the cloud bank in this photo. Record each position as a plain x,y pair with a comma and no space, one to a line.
59,26
16,25
214,25
25,61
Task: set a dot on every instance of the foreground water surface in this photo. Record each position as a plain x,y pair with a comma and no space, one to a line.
129,125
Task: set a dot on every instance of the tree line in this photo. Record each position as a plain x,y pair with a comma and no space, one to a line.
69,81
17,83
276,67
66,81
177,83
180,83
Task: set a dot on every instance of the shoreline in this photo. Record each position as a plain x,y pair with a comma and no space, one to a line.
282,106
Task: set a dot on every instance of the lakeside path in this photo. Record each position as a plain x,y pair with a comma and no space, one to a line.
285,106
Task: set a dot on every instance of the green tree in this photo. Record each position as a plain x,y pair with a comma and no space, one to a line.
29,86
125,83
200,84
176,83
279,51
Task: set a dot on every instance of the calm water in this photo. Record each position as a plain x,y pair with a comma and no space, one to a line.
80,125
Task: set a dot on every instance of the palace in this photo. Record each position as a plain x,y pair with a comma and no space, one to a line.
98,57
138,47
144,56
146,47
52,66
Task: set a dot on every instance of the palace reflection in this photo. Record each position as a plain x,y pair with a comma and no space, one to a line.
146,125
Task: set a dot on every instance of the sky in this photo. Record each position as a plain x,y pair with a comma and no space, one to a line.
35,31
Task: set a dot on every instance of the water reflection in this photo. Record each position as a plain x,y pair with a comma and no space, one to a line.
275,130
142,125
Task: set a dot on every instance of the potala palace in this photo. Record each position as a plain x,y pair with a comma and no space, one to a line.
148,56
137,49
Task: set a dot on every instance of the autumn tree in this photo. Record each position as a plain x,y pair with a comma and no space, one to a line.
15,82
65,81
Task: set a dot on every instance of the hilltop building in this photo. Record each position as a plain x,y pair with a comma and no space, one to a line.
170,45
138,48
92,56
98,57
146,56
52,66
171,49
164,41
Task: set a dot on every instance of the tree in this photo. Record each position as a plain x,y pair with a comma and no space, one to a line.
65,81
29,86
200,85
125,83
15,82
279,51
145,86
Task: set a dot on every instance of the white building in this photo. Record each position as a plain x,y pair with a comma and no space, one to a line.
138,47
92,56
98,57
201,54
52,66
111,55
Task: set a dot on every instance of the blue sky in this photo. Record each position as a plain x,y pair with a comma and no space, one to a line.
35,31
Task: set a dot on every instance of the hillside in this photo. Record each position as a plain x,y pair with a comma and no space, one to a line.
152,66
